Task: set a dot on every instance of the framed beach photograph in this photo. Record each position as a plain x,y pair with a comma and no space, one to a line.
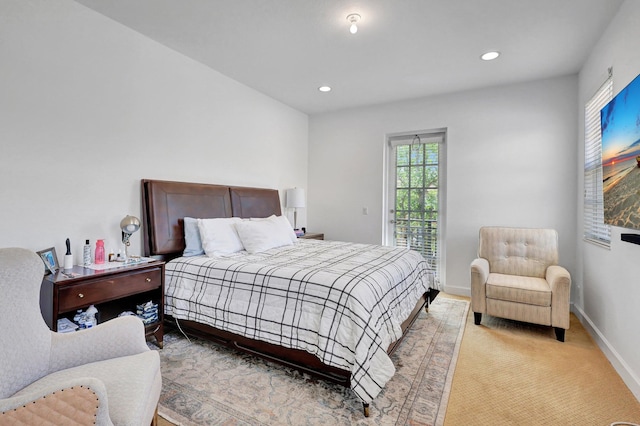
50,260
620,126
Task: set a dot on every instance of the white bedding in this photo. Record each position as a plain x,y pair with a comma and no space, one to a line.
343,302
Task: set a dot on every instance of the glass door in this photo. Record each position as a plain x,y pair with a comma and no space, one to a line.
414,200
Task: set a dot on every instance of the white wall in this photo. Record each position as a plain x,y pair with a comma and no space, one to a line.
510,161
610,292
89,107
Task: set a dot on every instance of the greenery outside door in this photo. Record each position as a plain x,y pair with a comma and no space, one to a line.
415,214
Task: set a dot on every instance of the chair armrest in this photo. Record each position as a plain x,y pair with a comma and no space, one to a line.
79,399
559,280
115,338
479,276
479,271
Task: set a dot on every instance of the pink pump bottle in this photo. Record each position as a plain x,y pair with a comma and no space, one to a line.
99,252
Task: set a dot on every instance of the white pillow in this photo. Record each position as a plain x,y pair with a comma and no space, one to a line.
261,235
219,236
283,224
193,243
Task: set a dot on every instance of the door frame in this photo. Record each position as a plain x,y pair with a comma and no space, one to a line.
388,196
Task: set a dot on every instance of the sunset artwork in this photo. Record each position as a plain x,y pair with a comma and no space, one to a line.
620,125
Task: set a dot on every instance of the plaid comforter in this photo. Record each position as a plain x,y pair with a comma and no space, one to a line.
343,302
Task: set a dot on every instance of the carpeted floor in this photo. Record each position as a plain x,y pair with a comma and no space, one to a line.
514,373
204,383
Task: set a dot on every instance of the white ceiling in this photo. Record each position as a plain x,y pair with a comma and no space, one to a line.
403,49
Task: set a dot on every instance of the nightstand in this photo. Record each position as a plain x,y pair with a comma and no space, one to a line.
112,291
312,236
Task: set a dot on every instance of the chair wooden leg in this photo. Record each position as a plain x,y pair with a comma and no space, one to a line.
477,317
559,334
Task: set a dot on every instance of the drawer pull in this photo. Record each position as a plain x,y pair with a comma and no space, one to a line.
148,279
80,295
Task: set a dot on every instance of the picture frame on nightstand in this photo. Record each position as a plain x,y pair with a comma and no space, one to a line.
50,260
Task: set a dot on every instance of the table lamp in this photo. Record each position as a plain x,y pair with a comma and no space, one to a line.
128,225
295,200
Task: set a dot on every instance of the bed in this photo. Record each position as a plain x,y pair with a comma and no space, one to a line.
334,309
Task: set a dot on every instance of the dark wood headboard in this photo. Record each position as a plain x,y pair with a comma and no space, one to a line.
165,204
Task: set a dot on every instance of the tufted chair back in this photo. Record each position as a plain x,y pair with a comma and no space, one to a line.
518,251
25,339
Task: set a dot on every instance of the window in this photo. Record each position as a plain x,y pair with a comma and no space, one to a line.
416,195
595,230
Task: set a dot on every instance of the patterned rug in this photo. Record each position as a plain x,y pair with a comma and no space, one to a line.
208,384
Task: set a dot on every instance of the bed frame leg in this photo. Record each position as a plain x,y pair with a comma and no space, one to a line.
365,408
431,295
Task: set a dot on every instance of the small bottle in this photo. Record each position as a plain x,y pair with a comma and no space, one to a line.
91,320
99,252
112,256
86,254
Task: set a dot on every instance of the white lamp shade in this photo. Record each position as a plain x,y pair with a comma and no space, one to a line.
295,198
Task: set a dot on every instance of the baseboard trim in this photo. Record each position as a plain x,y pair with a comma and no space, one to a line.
458,291
622,368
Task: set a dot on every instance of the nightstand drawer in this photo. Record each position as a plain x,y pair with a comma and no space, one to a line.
109,288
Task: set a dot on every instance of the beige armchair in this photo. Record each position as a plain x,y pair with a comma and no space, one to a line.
104,375
516,276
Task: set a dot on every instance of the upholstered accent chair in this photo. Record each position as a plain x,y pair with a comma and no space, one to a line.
517,276
104,375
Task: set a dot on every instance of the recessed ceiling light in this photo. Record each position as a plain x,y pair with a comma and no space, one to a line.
324,88
490,56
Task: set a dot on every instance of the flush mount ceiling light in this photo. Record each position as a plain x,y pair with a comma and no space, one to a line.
353,20
490,56
324,88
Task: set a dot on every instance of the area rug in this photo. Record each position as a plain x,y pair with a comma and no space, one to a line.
208,384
